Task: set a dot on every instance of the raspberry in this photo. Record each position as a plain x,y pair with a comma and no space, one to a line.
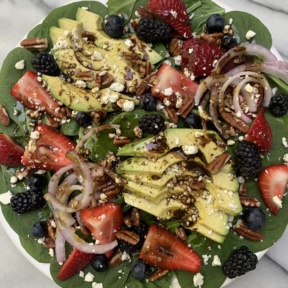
240,262
247,159
152,123
152,31
45,63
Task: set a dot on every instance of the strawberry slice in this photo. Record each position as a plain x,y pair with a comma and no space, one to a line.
172,83
76,262
163,250
47,149
260,133
103,222
10,151
198,56
31,93
174,13
272,183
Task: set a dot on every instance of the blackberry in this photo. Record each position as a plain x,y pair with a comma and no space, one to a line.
148,102
27,201
114,26
152,123
37,183
247,159
279,105
240,262
152,31
45,63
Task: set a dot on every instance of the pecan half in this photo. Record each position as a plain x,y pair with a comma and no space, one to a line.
180,233
214,38
175,46
128,236
247,233
135,217
146,83
249,201
85,75
116,259
121,141
187,105
34,43
218,162
4,117
144,12
89,36
171,114
158,275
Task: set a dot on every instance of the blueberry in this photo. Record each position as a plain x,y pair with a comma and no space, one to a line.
100,263
83,119
254,218
139,270
215,23
228,42
39,229
148,102
114,26
193,121
37,183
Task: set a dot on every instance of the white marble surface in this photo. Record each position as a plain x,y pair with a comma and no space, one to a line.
16,18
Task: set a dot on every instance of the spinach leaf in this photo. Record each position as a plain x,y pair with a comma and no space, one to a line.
18,126
243,22
124,7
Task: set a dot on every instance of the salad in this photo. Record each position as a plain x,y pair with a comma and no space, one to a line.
99,153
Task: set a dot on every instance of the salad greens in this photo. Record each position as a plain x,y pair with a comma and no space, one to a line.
19,129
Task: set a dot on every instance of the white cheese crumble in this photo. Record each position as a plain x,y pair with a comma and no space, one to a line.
117,87
277,201
20,65
89,277
128,106
190,149
230,142
284,142
216,261
198,280
51,252
97,285
5,197
81,274
285,158
168,91
80,84
174,13
178,60
128,43
250,34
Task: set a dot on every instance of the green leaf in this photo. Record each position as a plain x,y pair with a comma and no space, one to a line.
117,7
243,22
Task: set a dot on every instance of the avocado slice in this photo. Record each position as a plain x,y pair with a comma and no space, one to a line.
145,166
225,181
206,232
208,142
79,99
93,23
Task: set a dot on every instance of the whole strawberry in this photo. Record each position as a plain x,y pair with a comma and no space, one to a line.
199,56
174,13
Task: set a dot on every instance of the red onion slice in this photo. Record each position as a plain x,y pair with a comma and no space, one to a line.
244,49
60,248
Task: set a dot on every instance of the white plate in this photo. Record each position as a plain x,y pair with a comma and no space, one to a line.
44,268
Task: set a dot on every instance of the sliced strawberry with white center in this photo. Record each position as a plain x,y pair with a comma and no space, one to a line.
272,182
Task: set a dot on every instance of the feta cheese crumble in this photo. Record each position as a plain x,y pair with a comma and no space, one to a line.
5,197
20,65
198,280
250,34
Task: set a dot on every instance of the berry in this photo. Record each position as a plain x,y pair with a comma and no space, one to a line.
198,56
260,133
37,183
272,183
240,262
193,121
174,13
45,63
139,270
215,23
254,218
279,105
39,229
24,202
83,119
114,26
100,263
152,123
148,102
152,31
228,42
247,159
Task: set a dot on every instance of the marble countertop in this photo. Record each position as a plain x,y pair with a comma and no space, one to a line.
16,18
